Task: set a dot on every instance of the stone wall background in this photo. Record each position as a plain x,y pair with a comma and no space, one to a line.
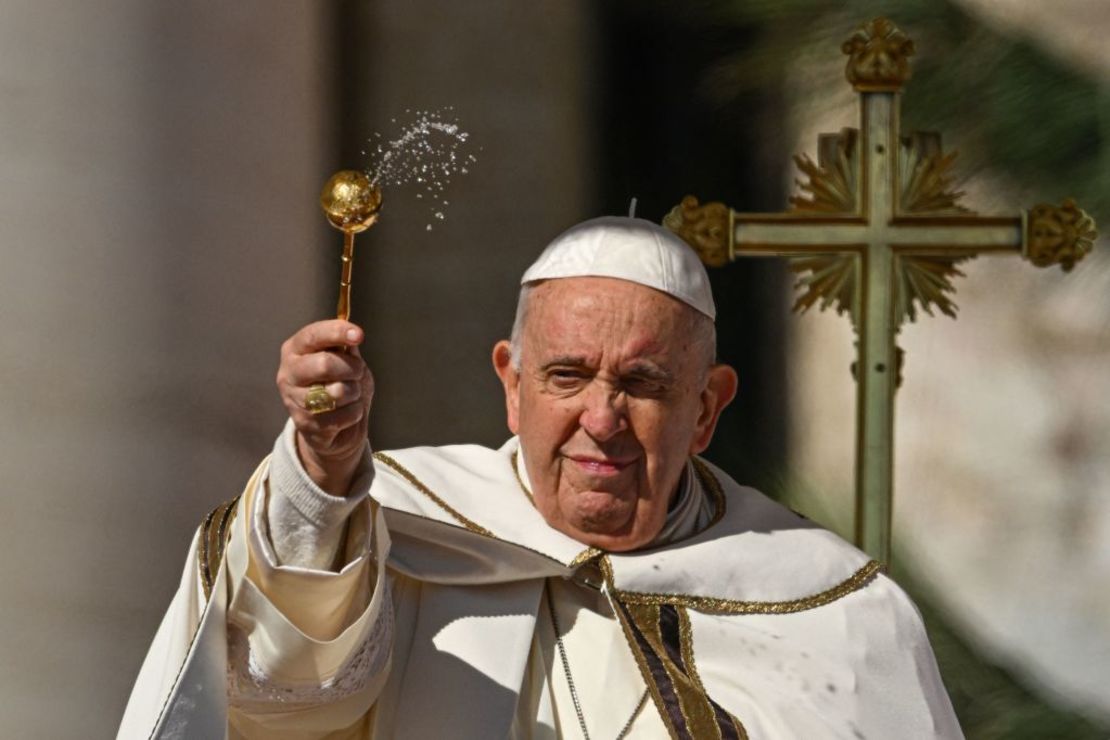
161,237
160,163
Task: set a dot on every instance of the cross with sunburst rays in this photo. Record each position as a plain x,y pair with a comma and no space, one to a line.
877,232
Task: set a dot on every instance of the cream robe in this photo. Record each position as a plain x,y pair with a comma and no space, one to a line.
791,631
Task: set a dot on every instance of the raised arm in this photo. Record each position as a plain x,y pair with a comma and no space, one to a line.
310,625
295,613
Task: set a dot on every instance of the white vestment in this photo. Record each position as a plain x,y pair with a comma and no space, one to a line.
434,623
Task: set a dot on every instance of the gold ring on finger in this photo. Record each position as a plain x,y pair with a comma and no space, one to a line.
318,400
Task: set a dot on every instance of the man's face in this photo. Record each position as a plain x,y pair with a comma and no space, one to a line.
614,393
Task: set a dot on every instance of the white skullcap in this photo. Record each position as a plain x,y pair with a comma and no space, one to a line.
629,249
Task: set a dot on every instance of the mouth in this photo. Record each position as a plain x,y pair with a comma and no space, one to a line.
600,467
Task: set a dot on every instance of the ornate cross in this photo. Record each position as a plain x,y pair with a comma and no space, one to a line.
878,233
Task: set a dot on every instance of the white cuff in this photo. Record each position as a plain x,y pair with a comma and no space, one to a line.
306,525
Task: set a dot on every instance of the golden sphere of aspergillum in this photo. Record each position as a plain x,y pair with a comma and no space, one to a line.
350,201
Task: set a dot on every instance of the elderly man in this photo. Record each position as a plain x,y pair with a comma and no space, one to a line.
592,578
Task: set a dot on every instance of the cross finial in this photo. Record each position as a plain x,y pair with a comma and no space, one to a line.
878,57
1058,235
878,232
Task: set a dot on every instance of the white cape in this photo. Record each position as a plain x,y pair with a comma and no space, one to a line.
761,625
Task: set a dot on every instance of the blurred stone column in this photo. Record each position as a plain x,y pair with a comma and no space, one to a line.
160,237
434,301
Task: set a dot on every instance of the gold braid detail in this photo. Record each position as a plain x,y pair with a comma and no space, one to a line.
585,556
713,486
699,713
467,524
520,481
214,535
709,604
686,634
694,706
412,479
637,654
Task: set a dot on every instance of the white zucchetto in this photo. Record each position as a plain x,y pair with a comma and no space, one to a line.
631,249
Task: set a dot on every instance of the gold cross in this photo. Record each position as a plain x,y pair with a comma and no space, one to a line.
877,233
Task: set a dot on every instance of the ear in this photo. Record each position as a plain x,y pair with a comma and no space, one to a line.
720,389
510,381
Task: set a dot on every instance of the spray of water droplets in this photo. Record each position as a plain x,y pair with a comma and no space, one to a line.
427,153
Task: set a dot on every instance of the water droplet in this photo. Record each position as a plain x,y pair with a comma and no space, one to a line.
427,153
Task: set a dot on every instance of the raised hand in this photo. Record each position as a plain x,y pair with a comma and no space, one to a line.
329,444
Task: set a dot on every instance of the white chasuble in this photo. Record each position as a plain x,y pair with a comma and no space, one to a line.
754,623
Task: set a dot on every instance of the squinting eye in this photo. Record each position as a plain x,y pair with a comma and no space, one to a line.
565,379
643,387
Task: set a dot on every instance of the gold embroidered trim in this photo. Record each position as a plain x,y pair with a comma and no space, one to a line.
407,475
699,713
710,483
213,537
585,556
696,712
641,661
686,635
519,480
469,525
729,606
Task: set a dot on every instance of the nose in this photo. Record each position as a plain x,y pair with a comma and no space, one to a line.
604,415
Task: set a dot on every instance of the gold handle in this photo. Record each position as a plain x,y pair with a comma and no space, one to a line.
343,310
351,203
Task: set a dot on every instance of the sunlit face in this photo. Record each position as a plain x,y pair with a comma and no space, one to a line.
614,393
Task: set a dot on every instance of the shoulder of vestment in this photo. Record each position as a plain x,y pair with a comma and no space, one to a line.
465,502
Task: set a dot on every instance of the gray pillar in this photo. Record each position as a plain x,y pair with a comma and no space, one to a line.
160,237
434,302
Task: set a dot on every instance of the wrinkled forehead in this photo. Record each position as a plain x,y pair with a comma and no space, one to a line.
590,314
